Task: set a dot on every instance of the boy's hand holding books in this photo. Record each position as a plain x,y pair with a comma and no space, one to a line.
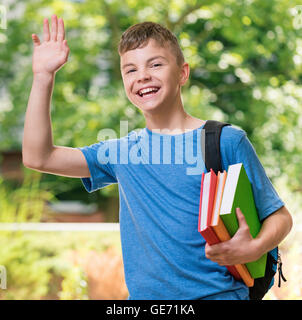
51,54
231,235
240,249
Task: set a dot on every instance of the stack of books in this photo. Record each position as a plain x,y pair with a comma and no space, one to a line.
220,195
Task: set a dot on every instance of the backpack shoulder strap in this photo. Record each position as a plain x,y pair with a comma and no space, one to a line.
210,144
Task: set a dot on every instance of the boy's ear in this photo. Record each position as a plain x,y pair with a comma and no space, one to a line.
184,74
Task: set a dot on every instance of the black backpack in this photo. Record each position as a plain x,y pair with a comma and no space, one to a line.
210,148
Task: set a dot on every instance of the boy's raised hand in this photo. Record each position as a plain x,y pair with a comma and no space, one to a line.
51,54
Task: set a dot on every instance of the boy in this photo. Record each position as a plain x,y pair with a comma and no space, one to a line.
164,255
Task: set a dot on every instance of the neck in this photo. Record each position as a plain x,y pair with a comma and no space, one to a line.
173,120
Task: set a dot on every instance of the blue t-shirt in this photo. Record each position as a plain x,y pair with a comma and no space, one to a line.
159,179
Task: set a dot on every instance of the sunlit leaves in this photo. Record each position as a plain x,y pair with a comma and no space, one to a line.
245,59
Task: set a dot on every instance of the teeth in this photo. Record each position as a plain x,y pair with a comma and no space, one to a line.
143,91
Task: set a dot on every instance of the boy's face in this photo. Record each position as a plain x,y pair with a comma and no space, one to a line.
151,77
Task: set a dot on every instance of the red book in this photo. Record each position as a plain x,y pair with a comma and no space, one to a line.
200,201
207,195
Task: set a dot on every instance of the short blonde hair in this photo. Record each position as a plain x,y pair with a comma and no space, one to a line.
139,34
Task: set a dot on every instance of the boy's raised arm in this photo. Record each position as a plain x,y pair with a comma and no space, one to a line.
38,151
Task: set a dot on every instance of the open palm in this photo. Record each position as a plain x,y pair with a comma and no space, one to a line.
51,54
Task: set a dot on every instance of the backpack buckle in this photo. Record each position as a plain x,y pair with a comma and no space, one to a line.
281,276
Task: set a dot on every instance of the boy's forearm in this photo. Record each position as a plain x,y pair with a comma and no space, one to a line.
37,138
274,229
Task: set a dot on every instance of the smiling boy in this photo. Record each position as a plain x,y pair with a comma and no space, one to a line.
164,255
161,67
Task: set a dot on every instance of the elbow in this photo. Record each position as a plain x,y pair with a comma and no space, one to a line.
288,219
31,164
290,222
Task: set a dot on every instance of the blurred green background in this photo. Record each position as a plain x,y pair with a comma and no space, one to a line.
246,69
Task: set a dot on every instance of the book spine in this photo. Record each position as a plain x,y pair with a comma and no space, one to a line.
211,238
211,196
234,272
223,235
245,275
200,201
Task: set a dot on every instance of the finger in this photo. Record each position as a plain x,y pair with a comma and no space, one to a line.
214,250
65,47
65,51
61,31
207,249
36,40
214,256
46,35
54,28
241,218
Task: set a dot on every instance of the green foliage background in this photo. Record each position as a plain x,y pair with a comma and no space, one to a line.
246,68
38,265
245,59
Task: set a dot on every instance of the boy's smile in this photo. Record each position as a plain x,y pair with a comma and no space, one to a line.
151,77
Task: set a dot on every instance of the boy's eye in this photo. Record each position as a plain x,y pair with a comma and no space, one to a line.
153,65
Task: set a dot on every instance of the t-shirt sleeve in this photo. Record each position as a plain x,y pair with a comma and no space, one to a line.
101,171
266,198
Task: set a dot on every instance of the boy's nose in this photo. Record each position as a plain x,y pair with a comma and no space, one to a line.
143,76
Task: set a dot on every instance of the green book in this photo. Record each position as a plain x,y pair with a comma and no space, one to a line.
238,193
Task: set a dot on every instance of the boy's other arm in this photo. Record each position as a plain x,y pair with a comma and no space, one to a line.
38,151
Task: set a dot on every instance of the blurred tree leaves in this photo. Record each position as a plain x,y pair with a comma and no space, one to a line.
245,59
